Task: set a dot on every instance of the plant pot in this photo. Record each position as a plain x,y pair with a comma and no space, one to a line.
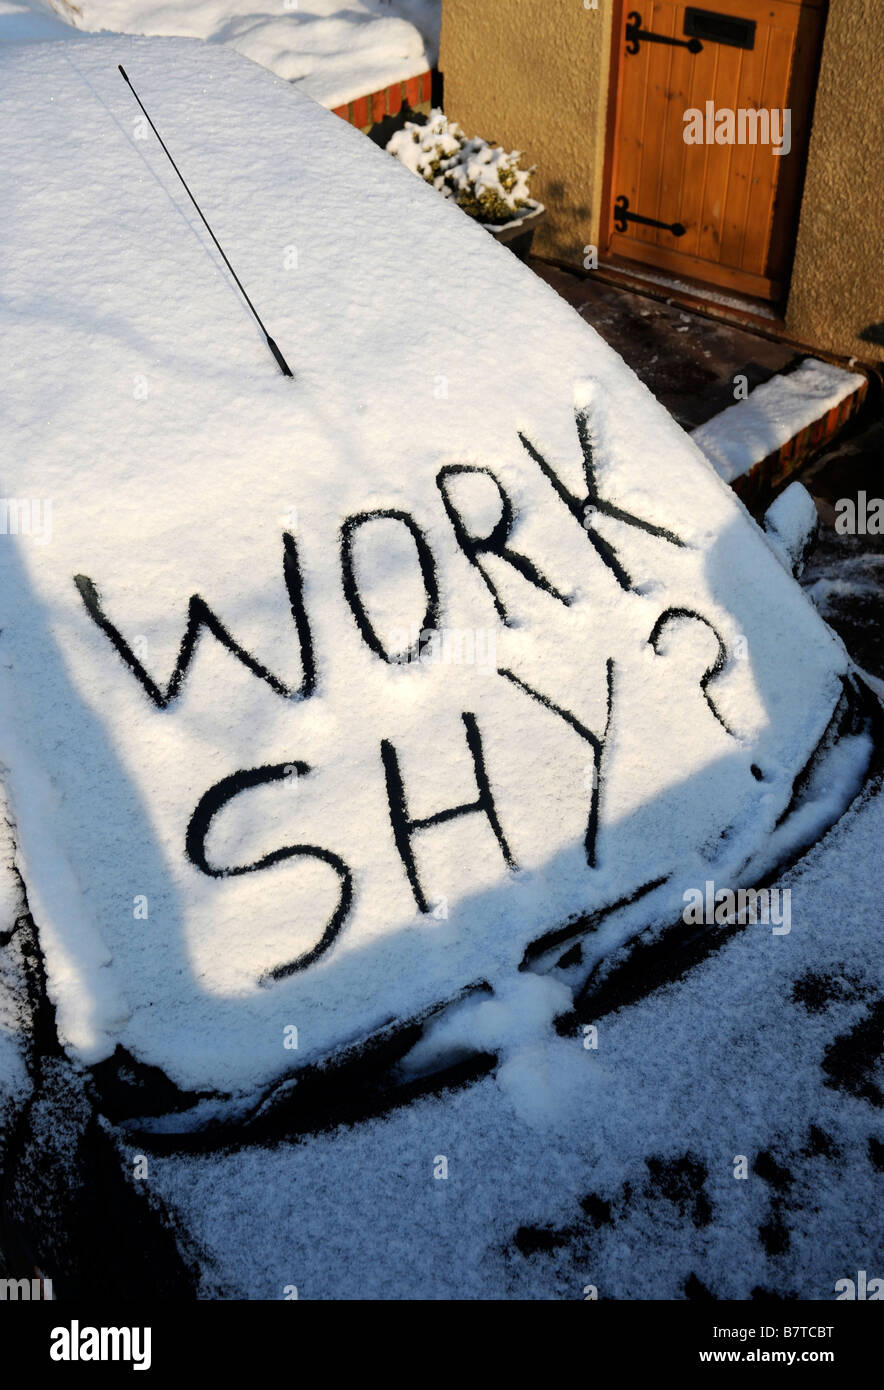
518,232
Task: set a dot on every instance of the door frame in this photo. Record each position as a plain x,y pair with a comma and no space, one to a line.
783,230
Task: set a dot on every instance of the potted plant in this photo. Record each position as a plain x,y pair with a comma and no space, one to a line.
483,179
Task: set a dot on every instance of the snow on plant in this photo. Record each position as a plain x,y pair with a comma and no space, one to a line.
482,178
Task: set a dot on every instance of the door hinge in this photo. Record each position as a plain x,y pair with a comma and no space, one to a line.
622,216
635,33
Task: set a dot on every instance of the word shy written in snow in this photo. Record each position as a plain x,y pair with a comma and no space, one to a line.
770,906
722,126
476,545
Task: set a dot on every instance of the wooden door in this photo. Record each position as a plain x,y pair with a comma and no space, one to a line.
722,212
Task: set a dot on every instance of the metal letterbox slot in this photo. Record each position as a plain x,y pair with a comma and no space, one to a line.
719,28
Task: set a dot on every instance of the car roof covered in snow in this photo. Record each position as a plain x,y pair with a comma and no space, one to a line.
325,699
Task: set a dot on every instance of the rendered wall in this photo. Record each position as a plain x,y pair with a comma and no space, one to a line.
534,77
837,289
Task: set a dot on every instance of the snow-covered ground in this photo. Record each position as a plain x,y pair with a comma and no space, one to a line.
615,1166
333,52
253,848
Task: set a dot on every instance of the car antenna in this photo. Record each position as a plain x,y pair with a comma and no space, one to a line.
280,360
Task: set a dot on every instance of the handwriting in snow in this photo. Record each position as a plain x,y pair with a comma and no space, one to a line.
476,548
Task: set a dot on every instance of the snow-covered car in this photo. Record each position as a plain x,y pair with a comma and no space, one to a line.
440,670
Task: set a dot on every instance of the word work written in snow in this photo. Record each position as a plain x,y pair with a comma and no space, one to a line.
478,545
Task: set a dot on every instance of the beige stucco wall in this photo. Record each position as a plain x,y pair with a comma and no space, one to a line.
533,75
837,285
